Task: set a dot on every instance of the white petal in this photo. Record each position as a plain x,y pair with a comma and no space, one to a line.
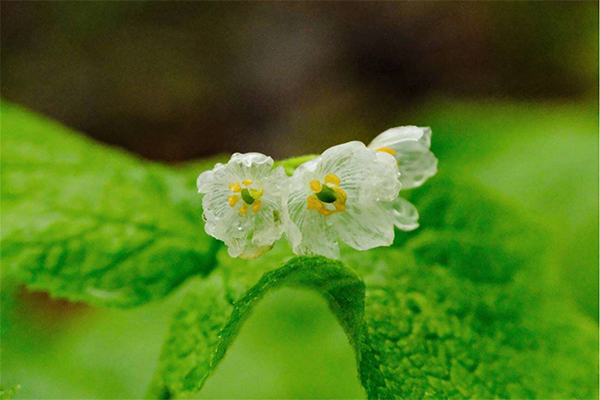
394,136
406,215
308,231
269,221
416,165
364,174
253,234
316,237
250,165
367,227
411,144
204,181
369,179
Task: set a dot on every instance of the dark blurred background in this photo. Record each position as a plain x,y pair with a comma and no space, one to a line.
176,81
510,90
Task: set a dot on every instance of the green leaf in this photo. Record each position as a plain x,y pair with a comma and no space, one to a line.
462,318
463,225
213,312
90,223
544,157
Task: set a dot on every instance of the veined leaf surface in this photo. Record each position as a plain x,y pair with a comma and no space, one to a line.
91,223
460,309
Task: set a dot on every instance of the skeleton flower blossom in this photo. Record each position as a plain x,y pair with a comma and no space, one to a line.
410,147
346,193
244,203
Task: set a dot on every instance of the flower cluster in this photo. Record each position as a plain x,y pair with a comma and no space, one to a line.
348,193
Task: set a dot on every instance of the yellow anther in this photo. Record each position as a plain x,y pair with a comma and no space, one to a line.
247,182
315,186
333,179
342,194
387,150
337,200
313,203
256,194
235,187
256,206
325,212
243,210
233,199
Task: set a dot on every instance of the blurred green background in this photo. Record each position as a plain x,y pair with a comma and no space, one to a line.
510,90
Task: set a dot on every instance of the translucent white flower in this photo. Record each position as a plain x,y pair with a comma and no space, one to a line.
244,203
410,146
346,193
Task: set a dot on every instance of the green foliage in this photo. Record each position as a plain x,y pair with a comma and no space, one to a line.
461,310
544,157
211,316
91,223
7,394
464,226
467,306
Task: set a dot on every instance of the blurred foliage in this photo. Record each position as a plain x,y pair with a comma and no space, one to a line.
7,394
543,157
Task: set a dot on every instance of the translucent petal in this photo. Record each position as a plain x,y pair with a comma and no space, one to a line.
368,178
416,162
364,228
250,165
364,174
317,237
416,165
406,215
270,219
308,231
394,136
250,235
204,181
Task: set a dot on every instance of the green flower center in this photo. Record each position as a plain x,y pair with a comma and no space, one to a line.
326,195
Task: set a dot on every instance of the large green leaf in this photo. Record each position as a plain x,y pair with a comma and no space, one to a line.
213,312
462,309
91,223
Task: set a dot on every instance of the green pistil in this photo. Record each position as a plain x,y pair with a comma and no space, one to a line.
326,195
247,197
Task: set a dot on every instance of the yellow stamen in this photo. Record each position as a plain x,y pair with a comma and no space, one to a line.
232,200
313,203
252,199
333,179
325,212
256,194
235,187
387,150
341,193
315,186
332,183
